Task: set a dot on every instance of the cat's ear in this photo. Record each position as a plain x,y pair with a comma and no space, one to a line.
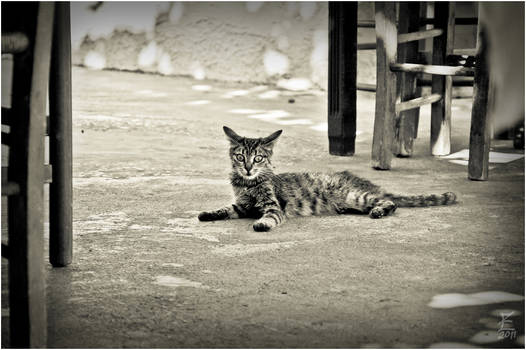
271,139
232,136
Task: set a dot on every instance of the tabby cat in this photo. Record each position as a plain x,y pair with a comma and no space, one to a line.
270,197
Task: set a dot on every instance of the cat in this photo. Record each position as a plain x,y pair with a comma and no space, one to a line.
269,197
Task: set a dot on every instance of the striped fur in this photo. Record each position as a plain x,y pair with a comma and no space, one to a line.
270,197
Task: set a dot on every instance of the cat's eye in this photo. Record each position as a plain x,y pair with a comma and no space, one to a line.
258,159
239,157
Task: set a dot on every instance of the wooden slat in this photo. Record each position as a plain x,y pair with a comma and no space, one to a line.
458,21
420,35
441,110
465,52
342,77
407,120
457,81
10,188
14,42
406,37
366,24
432,69
60,143
417,102
385,17
479,140
366,46
372,88
366,87
28,326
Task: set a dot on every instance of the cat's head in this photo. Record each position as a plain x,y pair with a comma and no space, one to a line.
251,157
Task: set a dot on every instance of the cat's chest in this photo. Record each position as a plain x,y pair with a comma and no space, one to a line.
246,192
253,194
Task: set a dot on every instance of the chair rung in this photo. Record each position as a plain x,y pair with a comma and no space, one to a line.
461,81
366,46
465,52
14,42
432,69
405,38
462,21
366,24
10,188
414,36
417,102
366,87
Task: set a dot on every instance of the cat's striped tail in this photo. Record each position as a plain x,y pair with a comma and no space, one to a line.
447,198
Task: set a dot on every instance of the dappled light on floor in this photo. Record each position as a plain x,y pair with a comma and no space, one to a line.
446,301
175,282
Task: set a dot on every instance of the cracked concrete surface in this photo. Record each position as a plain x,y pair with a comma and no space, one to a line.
147,273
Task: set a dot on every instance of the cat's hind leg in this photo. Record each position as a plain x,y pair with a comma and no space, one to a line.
372,203
383,207
230,212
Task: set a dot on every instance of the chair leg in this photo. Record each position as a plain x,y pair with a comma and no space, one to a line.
479,141
441,110
386,47
27,300
407,121
60,143
343,20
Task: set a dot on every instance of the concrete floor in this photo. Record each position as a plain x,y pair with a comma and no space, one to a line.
147,274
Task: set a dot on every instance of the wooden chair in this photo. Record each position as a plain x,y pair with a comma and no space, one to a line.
393,105
38,37
398,100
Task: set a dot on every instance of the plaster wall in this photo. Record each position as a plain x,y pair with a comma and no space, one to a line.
285,43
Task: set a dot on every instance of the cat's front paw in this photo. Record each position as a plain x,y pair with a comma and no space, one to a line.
206,216
261,226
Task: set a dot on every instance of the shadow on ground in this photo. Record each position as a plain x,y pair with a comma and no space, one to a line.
149,154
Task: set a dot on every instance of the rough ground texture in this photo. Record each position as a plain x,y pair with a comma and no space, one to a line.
147,273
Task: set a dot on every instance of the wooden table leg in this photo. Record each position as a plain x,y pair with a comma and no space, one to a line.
441,110
60,142
343,21
407,121
479,140
386,48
